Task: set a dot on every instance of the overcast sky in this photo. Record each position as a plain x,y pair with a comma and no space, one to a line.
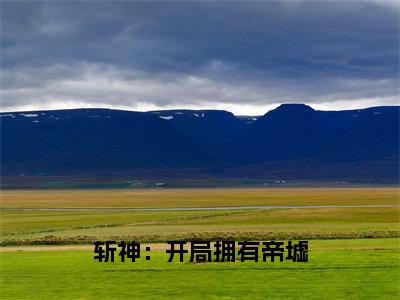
245,57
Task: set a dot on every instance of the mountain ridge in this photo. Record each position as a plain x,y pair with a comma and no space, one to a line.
92,141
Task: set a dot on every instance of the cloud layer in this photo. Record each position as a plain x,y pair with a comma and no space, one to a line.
241,56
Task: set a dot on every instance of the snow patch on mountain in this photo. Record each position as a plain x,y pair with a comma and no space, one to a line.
166,117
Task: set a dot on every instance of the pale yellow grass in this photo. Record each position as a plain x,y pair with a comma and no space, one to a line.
198,197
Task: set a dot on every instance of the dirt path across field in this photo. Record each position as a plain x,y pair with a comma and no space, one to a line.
193,208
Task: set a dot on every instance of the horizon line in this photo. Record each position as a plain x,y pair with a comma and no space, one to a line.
189,109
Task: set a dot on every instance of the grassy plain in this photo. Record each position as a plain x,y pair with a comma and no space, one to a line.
19,227
80,227
198,197
354,252
337,269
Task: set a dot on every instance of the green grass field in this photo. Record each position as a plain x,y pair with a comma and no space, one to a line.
354,252
60,227
362,269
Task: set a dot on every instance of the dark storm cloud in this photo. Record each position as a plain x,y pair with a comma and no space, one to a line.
198,53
